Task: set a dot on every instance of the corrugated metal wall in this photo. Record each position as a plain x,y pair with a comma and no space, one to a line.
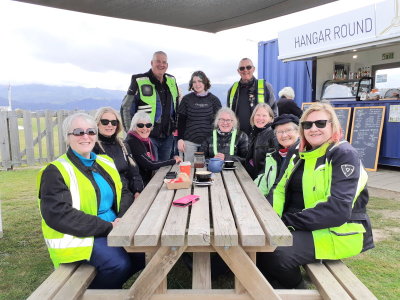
297,74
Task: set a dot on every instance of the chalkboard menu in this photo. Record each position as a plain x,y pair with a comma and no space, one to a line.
343,114
366,134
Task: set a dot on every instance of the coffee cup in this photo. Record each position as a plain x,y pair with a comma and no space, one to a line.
184,167
203,176
229,164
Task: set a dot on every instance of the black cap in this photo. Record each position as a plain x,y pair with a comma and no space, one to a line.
285,118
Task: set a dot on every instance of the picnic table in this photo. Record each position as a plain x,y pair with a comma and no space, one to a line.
231,218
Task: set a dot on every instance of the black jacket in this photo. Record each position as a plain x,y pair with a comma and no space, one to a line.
112,146
262,140
223,146
56,202
288,106
146,165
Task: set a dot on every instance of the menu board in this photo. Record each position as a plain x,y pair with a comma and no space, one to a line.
343,114
366,133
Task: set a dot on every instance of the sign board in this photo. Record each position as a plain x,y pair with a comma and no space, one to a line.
366,133
343,114
363,26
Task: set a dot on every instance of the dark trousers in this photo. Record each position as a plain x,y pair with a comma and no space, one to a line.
163,147
282,267
114,265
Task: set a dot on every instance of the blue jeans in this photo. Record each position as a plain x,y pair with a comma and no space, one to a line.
114,265
163,147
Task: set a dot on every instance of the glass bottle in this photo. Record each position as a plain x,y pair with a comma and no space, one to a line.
199,160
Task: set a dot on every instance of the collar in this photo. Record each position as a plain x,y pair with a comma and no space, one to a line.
315,153
247,84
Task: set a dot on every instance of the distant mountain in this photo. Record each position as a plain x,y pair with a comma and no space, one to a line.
39,97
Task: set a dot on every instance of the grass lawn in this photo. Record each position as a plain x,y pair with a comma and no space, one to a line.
25,263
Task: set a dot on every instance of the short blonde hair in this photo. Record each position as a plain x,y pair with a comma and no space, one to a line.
229,111
327,108
258,106
286,92
108,109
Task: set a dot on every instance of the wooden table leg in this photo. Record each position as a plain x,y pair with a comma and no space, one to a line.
153,274
239,288
201,270
162,288
247,272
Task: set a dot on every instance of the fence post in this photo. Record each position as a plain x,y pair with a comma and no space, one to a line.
61,143
4,141
14,138
49,135
30,154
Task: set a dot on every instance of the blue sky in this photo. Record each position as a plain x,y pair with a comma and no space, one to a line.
56,47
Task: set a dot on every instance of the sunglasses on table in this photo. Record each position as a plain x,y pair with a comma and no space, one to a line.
105,122
318,123
81,132
248,68
141,125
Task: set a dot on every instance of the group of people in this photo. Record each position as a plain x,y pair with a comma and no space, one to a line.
313,179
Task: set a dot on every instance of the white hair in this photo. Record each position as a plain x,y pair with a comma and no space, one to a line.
140,115
286,92
67,124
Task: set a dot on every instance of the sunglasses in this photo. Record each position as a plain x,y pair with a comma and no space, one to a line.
141,125
318,123
105,122
81,132
248,68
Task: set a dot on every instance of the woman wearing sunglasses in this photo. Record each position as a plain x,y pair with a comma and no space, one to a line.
81,200
321,198
109,124
142,148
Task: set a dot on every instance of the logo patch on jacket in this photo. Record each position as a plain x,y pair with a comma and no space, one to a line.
147,90
347,170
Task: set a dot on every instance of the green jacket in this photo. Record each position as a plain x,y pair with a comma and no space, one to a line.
65,248
335,199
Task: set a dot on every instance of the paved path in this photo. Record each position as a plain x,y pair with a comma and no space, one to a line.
385,183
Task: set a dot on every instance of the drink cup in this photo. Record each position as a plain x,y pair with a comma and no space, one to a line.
184,167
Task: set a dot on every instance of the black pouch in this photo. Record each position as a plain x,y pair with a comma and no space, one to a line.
147,90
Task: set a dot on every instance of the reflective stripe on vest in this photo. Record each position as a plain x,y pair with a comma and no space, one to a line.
260,92
69,241
151,100
231,146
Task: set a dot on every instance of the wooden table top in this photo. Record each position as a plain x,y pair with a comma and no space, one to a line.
230,212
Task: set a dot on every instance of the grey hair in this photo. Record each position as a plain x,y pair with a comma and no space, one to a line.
159,53
70,119
246,58
286,92
108,109
140,115
258,106
228,111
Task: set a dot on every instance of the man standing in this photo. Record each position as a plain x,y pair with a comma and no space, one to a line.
244,95
156,93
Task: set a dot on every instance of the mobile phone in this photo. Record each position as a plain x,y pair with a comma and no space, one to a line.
171,175
186,201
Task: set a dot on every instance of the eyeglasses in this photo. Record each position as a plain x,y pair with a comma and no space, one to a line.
105,122
225,120
282,132
319,123
141,125
248,68
81,132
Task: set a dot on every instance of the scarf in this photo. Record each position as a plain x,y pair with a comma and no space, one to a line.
147,142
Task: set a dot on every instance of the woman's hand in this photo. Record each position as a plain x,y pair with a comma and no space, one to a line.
136,195
177,159
181,145
116,221
220,156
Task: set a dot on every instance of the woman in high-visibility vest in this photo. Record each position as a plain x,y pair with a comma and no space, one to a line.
226,141
81,198
321,198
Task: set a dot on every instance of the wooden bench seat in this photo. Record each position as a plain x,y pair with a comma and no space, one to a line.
69,281
334,280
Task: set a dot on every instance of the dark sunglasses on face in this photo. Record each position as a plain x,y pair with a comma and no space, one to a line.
81,132
141,125
105,122
248,68
318,123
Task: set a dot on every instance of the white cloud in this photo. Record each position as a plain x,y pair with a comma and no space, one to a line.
57,47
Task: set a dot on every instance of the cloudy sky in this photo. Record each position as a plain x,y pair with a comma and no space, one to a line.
57,47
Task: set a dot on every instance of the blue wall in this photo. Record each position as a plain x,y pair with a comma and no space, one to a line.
280,74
